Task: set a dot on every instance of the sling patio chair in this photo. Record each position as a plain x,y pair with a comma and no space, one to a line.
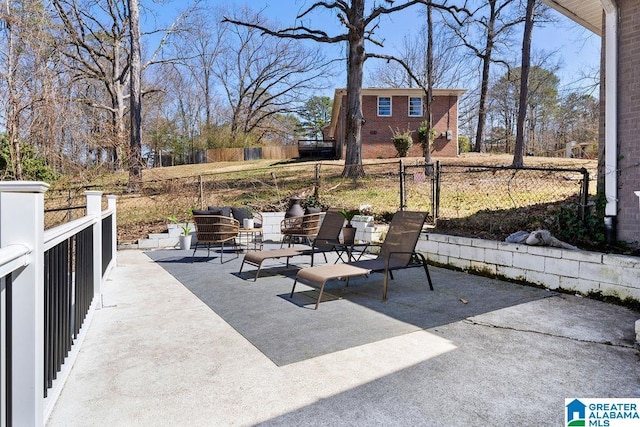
215,230
300,228
397,252
326,240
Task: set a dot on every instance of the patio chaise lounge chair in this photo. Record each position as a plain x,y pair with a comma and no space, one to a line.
397,252
326,241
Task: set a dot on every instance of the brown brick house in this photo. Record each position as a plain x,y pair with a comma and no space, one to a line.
387,109
616,21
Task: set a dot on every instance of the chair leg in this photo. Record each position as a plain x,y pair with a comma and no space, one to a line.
320,294
194,251
257,272
294,288
426,269
384,284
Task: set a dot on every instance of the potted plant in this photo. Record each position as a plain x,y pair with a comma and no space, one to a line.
349,231
185,236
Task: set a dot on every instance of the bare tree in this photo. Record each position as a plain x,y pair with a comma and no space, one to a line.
263,77
360,28
94,43
135,99
27,82
518,152
495,24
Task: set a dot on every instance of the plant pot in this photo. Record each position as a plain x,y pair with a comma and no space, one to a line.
247,223
185,242
348,235
294,208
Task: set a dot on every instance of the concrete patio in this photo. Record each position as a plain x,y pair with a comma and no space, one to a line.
157,354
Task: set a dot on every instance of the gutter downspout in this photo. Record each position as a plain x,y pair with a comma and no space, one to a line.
611,116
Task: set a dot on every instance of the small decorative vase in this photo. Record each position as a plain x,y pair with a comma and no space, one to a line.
247,223
294,208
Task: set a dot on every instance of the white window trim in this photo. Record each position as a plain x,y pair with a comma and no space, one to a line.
409,106
390,106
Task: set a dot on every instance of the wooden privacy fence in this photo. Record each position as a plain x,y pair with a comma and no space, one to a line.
252,153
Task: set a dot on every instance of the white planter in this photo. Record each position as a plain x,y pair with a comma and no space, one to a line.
247,223
185,242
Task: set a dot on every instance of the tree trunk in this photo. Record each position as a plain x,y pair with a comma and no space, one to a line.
354,118
518,152
135,111
426,148
13,116
484,90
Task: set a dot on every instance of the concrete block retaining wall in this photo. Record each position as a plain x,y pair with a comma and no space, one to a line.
553,268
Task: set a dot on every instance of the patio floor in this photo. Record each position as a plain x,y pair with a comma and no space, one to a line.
181,343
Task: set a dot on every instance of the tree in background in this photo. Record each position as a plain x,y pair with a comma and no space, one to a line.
27,83
315,115
518,152
263,77
135,99
484,34
359,28
542,101
577,119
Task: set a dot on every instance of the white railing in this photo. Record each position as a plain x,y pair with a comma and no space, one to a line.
29,279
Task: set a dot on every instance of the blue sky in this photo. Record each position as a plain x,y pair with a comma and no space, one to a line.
578,48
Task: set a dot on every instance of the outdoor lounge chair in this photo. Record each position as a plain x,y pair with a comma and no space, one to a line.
326,241
397,252
215,230
301,228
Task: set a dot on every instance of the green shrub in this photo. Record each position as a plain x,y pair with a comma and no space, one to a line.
34,168
402,141
464,145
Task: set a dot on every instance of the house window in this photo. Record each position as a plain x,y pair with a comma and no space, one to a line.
384,106
415,106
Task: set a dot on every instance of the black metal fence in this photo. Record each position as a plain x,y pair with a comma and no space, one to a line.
5,350
459,191
68,292
107,241
444,190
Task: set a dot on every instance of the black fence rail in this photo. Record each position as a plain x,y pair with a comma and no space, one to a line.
5,350
107,241
68,292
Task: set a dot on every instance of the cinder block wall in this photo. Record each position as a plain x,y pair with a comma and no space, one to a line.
553,268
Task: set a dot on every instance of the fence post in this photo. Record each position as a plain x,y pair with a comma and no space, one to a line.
22,223
94,208
111,205
201,192
584,199
436,192
316,190
402,195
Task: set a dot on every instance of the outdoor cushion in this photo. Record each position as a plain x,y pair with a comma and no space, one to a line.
241,213
202,212
220,210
